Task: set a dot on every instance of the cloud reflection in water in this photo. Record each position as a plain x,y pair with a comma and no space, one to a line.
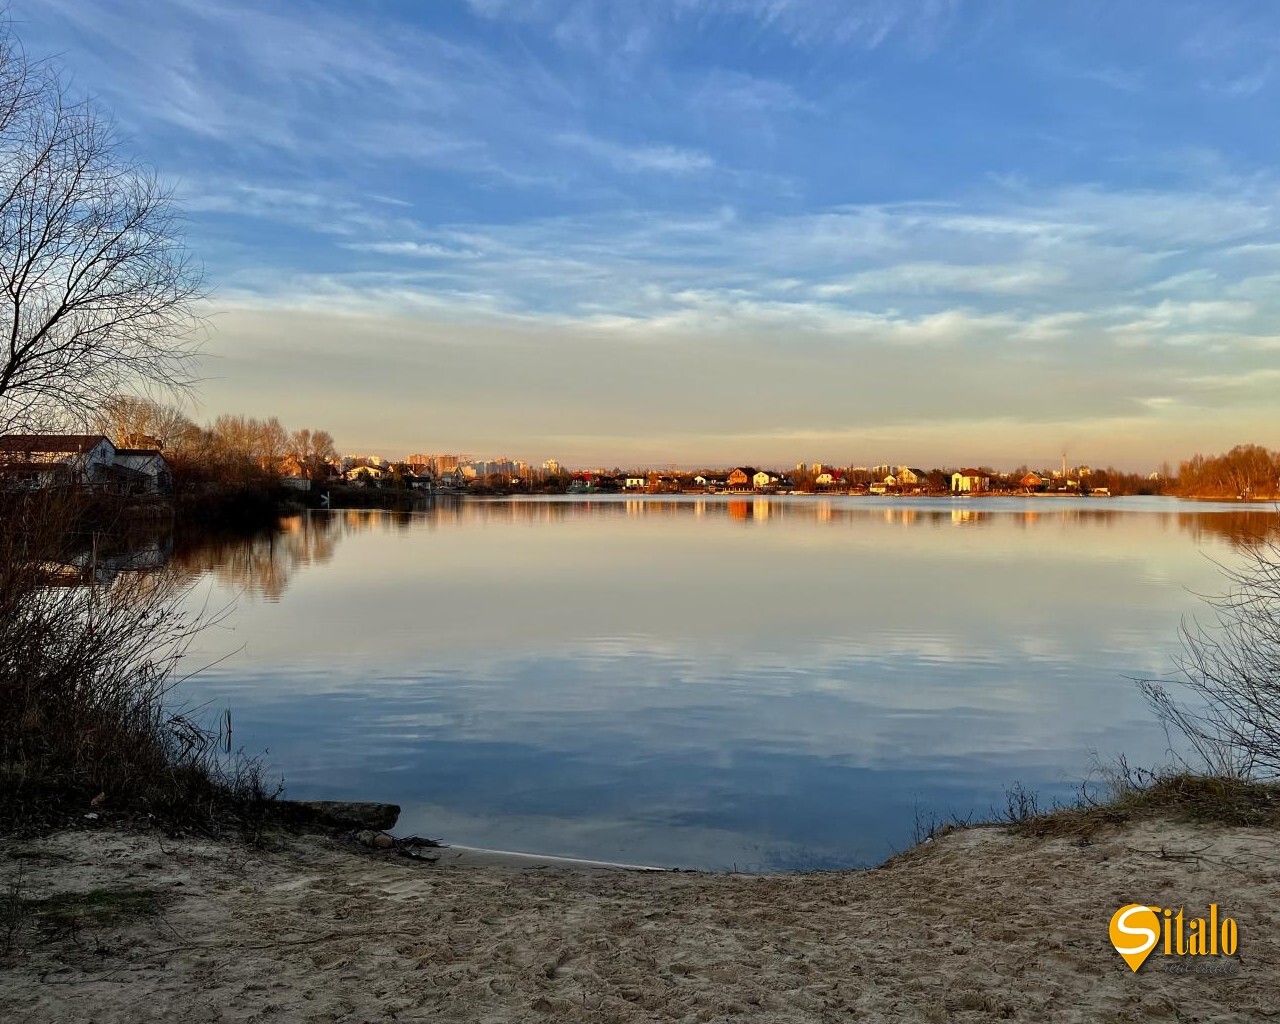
705,682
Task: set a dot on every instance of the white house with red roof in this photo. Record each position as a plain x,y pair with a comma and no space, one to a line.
34,461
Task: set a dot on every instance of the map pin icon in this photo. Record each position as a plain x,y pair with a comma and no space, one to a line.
1134,932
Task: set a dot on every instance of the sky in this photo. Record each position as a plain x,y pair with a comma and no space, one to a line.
713,231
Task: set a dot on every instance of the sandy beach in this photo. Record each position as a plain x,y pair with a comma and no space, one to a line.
976,925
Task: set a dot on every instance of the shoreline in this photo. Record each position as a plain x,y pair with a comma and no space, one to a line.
972,925
479,856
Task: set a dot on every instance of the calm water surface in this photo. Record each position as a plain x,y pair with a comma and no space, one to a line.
767,683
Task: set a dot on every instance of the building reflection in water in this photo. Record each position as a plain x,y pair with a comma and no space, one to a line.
262,564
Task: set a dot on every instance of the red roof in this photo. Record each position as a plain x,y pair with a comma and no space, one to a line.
60,443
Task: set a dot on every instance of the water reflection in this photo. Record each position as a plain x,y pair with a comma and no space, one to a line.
262,565
704,681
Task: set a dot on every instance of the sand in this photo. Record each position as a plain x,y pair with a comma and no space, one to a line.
977,925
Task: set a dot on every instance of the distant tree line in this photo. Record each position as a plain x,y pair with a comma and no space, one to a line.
231,452
1247,471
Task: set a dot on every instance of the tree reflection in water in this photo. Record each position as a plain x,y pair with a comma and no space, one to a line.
262,564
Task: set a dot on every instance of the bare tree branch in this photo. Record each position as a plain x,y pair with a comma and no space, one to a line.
1229,673
96,285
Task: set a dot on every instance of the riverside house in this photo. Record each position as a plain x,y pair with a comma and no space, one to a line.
364,475
970,481
151,463
36,461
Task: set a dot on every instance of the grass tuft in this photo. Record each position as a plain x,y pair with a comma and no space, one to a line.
97,908
1169,794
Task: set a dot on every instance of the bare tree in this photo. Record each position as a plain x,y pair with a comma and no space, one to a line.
96,286
1228,673
310,451
273,444
234,435
133,422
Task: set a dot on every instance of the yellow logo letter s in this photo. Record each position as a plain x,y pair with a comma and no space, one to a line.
1135,929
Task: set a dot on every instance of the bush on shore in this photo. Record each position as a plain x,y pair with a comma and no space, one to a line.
87,669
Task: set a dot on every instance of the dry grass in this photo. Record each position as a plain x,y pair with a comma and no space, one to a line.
1172,795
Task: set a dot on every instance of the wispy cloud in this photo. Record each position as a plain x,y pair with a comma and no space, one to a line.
663,159
1080,260
415,250
865,24
1246,86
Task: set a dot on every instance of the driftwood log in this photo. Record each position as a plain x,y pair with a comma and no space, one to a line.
346,814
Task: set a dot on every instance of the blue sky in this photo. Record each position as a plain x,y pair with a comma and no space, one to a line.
718,230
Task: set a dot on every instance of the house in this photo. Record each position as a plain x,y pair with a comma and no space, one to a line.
151,463
32,461
763,480
909,476
453,478
710,481
636,483
1033,482
364,474
970,481
828,478
741,478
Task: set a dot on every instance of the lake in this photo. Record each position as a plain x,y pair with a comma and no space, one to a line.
760,683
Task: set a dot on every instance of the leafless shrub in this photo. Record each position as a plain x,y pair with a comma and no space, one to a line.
13,912
87,671
1020,805
1224,697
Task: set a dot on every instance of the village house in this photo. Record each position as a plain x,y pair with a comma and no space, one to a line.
455,478
829,478
763,480
1033,482
741,478
636,483
151,463
909,476
35,461
364,474
44,460
970,481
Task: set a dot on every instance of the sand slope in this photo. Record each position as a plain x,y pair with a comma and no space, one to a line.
979,925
